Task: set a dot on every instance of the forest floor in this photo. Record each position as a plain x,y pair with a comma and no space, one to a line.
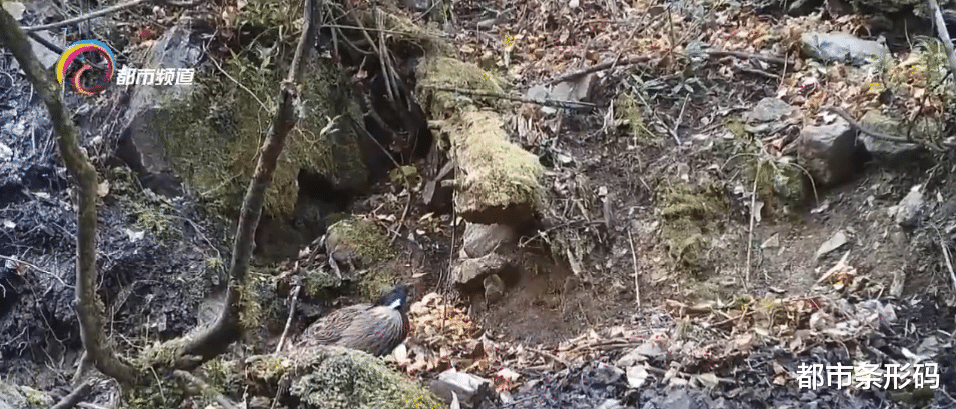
673,281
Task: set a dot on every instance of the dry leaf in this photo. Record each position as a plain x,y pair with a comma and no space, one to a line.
709,379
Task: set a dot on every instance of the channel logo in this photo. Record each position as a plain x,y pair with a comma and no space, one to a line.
75,52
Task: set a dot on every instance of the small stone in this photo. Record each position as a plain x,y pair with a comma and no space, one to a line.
909,210
834,243
480,240
826,152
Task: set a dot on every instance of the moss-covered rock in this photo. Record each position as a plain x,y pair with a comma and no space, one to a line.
208,134
782,186
16,397
215,149
357,240
339,378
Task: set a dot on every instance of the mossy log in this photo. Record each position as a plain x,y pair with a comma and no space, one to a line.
497,181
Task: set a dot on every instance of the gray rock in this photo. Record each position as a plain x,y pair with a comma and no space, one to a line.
909,210
481,239
140,146
470,273
577,89
825,150
769,109
771,115
17,397
835,242
611,404
842,47
678,399
890,152
463,384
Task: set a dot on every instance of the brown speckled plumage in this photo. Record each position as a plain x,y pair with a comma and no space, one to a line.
376,329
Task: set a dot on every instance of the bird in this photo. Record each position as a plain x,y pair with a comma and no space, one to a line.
376,329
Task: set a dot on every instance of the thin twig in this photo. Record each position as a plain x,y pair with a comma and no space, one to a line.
753,217
85,405
943,32
85,17
853,122
740,54
761,73
288,322
551,356
643,59
637,283
243,87
88,304
837,267
82,368
948,260
600,67
545,102
408,205
661,120
680,116
38,269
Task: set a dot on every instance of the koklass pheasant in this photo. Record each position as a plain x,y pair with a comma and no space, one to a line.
376,329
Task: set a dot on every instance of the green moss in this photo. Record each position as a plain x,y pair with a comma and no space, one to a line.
154,214
150,394
216,372
355,380
269,368
159,219
628,113
213,143
123,182
361,236
690,217
446,73
781,186
736,127
257,291
23,396
214,263
317,281
378,282
500,173
162,355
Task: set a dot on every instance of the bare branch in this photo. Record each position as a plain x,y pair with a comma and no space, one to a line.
85,17
89,307
105,11
943,34
74,397
227,328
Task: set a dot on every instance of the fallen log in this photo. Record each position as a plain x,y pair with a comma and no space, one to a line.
496,180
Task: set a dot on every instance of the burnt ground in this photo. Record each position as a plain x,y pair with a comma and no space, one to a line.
153,276
154,284
751,376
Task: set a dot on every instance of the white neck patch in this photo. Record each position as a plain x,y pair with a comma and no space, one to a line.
395,304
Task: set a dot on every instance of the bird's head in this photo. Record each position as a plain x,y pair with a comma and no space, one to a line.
395,299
